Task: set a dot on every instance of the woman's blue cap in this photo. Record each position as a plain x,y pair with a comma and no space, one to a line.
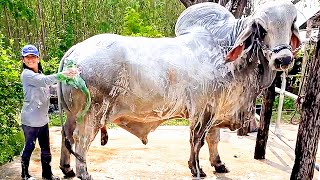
29,49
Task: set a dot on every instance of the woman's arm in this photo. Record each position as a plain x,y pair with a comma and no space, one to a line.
38,79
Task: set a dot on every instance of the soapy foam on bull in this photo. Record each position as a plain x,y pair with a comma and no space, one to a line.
205,65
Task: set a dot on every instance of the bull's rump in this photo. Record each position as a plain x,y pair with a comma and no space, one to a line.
149,77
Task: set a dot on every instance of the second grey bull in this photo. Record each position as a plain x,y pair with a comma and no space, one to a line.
210,73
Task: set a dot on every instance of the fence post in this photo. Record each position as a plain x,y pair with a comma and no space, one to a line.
281,98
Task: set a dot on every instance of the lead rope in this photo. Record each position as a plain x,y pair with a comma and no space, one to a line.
300,99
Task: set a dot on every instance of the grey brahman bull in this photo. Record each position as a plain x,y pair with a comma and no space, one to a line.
210,73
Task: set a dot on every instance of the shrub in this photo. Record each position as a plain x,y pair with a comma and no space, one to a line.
288,103
135,26
11,95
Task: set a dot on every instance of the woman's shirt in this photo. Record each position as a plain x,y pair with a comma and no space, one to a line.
35,108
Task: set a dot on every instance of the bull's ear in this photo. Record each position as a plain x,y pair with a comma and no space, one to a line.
295,38
239,45
234,53
295,42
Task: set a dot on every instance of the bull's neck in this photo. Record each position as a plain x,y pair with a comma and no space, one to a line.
239,26
257,70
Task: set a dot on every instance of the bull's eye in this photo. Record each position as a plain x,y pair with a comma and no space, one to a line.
262,31
293,24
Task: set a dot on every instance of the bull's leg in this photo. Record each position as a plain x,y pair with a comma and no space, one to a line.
85,133
213,139
68,128
197,136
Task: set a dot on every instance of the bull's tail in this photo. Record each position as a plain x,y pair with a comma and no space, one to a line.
86,92
62,103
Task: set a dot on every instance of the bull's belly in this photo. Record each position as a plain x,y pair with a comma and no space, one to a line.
147,111
141,119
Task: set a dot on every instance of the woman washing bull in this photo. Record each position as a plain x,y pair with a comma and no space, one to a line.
34,114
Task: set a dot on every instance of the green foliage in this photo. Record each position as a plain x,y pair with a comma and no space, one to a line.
288,110
176,122
61,25
10,85
60,42
135,26
286,116
10,102
288,103
50,66
11,145
55,119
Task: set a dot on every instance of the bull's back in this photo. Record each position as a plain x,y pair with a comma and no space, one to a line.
136,70
101,57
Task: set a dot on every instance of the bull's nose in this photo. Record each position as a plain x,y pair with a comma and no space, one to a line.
283,60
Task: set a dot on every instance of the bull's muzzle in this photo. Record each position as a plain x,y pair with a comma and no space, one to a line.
283,62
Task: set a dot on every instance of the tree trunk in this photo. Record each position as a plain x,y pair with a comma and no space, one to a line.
43,30
309,128
84,31
54,16
188,3
305,58
265,116
7,22
248,9
237,7
62,12
223,2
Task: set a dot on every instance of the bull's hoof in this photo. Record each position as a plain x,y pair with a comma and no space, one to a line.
201,174
67,174
193,168
85,177
221,169
82,172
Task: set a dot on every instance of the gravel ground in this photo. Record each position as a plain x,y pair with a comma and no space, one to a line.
166,155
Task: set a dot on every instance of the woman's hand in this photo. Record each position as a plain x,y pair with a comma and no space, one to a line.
71,73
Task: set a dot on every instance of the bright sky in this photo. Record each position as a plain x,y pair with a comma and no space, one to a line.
306,9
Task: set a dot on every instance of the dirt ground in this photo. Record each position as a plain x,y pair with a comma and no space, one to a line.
167,153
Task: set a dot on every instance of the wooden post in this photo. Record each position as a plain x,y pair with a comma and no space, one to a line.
305,58
265,116
309,128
